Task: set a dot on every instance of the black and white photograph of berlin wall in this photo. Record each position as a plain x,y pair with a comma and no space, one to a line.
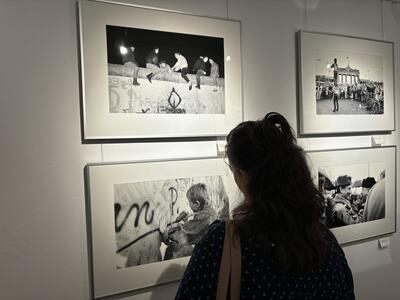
157,72
348,83
162,220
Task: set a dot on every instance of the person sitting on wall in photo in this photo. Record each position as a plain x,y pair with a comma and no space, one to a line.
342,212
152,63
164,67
199,69
182,237
182,65
214,73
130,64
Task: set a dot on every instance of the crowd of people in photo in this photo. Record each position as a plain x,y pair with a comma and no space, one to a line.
348,202
366,91
156,66
369,93
363,92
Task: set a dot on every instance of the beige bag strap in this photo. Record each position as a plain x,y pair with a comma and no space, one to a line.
231,265
225,267
236,265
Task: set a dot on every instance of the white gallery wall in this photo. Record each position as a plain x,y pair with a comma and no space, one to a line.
43,242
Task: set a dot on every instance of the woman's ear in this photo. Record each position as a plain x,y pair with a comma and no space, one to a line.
242,179
245,176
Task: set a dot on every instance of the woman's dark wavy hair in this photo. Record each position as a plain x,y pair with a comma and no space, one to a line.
285,207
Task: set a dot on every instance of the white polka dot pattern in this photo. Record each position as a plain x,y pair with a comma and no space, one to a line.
332,281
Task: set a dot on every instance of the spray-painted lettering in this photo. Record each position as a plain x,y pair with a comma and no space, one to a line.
148,217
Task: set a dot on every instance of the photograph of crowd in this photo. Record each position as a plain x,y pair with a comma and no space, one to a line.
348,83
353,193
162,220
157,72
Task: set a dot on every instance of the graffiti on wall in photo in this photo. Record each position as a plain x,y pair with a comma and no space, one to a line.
161,220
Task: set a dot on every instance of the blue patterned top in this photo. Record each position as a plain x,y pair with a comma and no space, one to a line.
333,280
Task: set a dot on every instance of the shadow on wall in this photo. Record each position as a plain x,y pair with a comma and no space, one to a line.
383,276
396,11
162,290
312,5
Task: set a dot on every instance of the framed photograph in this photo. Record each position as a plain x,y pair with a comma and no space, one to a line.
359,186
346,84
151,73
146,217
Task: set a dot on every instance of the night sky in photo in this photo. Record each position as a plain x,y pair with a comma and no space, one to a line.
190,46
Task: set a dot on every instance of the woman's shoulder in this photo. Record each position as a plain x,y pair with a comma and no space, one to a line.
201,275
333,247
208,250
213,239
215,232
330,237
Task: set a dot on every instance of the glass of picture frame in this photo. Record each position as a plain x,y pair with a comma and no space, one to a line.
152,73
359,187
134,209
346,84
